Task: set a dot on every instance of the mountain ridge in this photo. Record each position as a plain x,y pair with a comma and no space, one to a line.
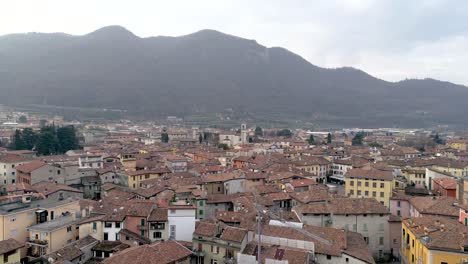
209,71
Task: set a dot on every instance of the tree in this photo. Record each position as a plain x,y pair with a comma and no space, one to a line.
375,145
22,119
284,133
42,123
164,137
258,131
329,138
67,139
311,140
437,139
18,140
200,138
48,142
223,146
357,140
29,138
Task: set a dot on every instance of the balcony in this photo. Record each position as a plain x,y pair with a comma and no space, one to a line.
37,242
199,253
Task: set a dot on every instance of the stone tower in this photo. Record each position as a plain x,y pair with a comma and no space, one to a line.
244,134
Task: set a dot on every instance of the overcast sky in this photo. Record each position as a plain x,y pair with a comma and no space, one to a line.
393,40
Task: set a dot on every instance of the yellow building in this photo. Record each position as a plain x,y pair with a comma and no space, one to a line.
136,177
454,167
15,218
10,251
415,176
460,144
427,240
51,236
370,183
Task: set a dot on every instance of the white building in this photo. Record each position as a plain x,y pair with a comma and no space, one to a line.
8,164
90,161
181,220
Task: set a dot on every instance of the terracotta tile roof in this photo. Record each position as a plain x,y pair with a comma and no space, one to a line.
229,216
341,206
13,158
9,245
302,182
222,177
134,236
159,253
47,188
357,247
446,183
279,253
30,166
205,229
370,174
234,234
315,195
439,233
158,215
436,205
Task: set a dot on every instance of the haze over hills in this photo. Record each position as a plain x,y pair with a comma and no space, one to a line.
207,72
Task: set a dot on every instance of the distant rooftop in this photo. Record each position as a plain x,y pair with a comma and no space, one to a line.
35,204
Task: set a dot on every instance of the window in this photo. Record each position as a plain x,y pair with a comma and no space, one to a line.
351,192
173,232
347,260
107,224
94,226
399,203
358,183
157,235
367,240
351,183
381,241
364,227
117,224
366,184
69,229
51,215
354,227
366,193
219,189
374,185
381,194
382,185
381,227
398,213
200,203
413,243
200,212
374,194
142,221
106,236
359,192
142,233
328,256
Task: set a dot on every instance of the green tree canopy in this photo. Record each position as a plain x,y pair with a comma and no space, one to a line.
284,133
311,140
258,131
357,140
329,138
375,145
23,119
164,137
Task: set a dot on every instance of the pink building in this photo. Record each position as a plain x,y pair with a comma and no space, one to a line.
400,205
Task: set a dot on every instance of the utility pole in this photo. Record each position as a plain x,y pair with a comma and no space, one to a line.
259,221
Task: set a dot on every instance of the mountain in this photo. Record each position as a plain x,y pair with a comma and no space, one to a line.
207,72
